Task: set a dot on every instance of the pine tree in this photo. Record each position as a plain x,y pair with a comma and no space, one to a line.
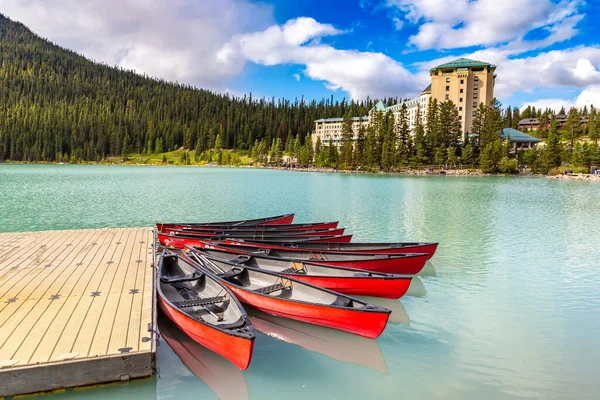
594,125
468,155
420,144
553,150
347,140
573,129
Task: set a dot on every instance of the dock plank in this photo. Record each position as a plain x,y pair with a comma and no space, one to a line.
134,336
76,308
114,287
120,325
69,342
11,300
63,285
45,299
60,338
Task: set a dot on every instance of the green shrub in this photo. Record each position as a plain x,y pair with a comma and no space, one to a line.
508,165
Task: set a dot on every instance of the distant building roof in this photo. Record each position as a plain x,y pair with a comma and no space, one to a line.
529,121
342,119
427,89
518,136
380,106
463,63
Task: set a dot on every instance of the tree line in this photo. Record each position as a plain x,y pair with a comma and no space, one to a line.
57,106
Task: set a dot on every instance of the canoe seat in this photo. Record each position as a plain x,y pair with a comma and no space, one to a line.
199,301
271,288
232,273
242,258
342,302
295,268
182,278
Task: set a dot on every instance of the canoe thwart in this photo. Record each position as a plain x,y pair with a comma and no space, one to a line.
199,302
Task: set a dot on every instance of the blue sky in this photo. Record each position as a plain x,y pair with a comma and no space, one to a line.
546,51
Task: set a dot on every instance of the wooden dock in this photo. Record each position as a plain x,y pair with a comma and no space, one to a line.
76,308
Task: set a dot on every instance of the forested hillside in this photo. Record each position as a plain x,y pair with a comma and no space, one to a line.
55,105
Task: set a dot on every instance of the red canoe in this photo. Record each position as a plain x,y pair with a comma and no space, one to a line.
204,309
255,228
180,241
279,219
289,298
401,264
253,235
220,375
341,280
356,247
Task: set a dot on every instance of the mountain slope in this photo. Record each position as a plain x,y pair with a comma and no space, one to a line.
57,105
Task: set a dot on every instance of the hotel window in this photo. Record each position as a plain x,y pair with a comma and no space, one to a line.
460,100
476,79
462,90
447,96
459,108
474,95
474,113
447,80
447,88
462,81
475,86
474,104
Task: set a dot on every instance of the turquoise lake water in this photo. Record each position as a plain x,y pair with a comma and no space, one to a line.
512,310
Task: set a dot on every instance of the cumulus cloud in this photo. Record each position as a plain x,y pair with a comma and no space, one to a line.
448,24
298,42
296,77
588,97
176,40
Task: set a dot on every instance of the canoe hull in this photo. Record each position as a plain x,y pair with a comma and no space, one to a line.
429,248
388,288
179,241
259,235
362,323
277,220
256,228
236,349
400,266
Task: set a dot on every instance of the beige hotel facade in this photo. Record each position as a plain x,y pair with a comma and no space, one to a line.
465,82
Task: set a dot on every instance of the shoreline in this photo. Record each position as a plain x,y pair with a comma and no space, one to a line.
409,172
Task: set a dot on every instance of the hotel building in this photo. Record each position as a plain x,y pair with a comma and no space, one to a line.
467,83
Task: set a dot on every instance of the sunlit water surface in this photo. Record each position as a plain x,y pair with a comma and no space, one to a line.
512,311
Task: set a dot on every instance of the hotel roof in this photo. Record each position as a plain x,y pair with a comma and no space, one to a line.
463,63
341,119
518,136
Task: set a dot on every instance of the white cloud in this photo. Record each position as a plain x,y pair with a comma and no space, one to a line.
589,96
298,42
577,67
296,77
398,23
175,40
447,24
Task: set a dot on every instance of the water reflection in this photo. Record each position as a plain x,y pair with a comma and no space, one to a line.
416,288
220,375
428,269
337,345
398,316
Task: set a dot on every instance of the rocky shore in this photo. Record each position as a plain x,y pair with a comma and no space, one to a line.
577,177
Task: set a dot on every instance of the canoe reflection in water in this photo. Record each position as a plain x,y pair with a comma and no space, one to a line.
220,375
416,288
428,269
398,316
335,344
